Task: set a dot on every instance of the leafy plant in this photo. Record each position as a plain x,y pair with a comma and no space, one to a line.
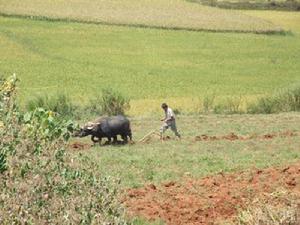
42,182
9,120
44,128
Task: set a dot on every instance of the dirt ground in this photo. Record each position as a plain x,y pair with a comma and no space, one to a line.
234,137
79,146
210,199
154,137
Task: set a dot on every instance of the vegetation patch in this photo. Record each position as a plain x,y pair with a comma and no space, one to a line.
40,181
281,101
59,103
268,140
289,5
112,103
167,14
148,66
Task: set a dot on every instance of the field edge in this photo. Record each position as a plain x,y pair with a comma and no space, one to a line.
280,31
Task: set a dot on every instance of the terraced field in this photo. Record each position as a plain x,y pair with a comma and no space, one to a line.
223,162
172,14
147,65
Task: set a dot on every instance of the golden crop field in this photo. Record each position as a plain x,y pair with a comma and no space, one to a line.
172,14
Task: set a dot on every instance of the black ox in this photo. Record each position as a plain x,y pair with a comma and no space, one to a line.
107,127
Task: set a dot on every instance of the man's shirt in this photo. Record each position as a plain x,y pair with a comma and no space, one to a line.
169,114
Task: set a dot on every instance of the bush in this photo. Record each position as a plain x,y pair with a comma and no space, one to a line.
284,101
60,104
113,103
9,120
41,183
265,105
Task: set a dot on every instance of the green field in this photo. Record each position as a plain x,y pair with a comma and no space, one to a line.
155,65
152,52
147,65
158,162
172,14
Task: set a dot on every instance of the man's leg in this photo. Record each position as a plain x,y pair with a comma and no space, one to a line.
174,129
162,130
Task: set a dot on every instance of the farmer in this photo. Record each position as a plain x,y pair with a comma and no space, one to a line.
168,121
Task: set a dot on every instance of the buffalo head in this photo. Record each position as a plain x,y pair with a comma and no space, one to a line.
88,129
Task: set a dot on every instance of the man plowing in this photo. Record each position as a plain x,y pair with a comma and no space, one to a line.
169,121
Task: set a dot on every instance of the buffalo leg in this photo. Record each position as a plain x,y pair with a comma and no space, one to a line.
95,141
130,135
100,140
115,141
108,140
125,139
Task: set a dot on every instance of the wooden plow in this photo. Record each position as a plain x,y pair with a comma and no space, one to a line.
148,136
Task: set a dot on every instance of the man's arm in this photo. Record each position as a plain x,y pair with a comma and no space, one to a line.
170,119
164,118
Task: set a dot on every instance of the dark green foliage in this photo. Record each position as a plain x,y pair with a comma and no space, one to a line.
265,105
284,101
287,5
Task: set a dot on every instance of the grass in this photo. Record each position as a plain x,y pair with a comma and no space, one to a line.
59,103
147,65
173,14
158,162
288,20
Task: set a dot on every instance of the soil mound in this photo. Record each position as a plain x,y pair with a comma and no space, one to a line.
210,199
234,137
79,146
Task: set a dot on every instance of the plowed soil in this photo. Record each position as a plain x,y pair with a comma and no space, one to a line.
155,137
80,146
234,137
210,199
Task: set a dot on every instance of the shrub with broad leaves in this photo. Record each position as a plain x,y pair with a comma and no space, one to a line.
40,181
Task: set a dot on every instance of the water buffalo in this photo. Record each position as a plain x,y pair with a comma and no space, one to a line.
107,127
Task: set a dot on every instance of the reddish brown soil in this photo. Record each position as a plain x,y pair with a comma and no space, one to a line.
234,137
209,199
80,146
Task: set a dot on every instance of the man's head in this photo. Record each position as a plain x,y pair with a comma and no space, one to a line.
164,106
